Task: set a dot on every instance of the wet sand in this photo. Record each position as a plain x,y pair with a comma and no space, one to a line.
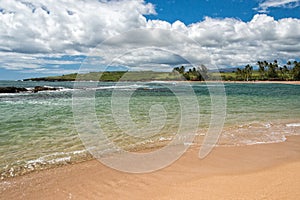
266,171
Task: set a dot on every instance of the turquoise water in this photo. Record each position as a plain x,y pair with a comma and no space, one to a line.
37,130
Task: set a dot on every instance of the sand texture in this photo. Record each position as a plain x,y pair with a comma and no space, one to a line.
269,171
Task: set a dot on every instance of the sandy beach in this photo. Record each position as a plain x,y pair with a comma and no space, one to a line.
149,100
281,82
268,171
276,82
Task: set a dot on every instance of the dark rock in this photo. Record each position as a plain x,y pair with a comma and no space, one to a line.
12,90
42,88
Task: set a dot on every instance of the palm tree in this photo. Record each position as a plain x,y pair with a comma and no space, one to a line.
296,71
289,63
266,64
202,73
281,73
176,69
276,65
248,72
272,70
239,74
285,72
261,69
181,69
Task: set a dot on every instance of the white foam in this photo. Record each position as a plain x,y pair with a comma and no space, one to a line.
164,82
14,102
188,143
60,160
15,94
282,139
165,139
48,86
250,142
66,89
47,158
134,86
32,102
78,152
293,125
39,160
268,125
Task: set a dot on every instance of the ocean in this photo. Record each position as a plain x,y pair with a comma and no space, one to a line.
40,130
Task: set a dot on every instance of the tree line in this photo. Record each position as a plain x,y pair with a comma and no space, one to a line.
193,74
270,71
265,71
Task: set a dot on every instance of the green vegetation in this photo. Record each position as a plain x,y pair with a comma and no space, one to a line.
199,74
113,76
266,71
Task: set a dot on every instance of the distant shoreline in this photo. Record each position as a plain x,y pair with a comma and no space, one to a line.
208,81
280,82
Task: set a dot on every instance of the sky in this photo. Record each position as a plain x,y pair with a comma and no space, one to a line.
53,37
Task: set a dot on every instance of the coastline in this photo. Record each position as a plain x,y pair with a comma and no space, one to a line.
247,82
277,82
270,171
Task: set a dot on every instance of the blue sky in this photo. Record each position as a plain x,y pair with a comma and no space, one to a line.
43,38
191,11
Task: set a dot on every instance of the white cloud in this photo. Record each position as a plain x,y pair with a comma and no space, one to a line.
63,26
236,42
266,4
32,30
216,42
18,61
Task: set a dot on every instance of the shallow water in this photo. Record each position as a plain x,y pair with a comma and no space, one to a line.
38,130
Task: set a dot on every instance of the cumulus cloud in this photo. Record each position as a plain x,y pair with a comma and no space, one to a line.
64,26
264,5
118,33
240,42
215,42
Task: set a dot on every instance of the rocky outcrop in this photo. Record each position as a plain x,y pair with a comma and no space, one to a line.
42,88
12,90
20,89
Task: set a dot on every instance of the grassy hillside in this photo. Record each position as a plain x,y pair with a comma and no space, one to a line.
232,76
113,76
148,76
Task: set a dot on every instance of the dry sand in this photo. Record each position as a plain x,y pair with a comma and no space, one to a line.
277,82
280,82
269,171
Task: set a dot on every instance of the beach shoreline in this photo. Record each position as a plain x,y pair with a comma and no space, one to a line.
250,82
276,82
222,81
270,171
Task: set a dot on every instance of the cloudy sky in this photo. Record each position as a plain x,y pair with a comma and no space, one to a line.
55,37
